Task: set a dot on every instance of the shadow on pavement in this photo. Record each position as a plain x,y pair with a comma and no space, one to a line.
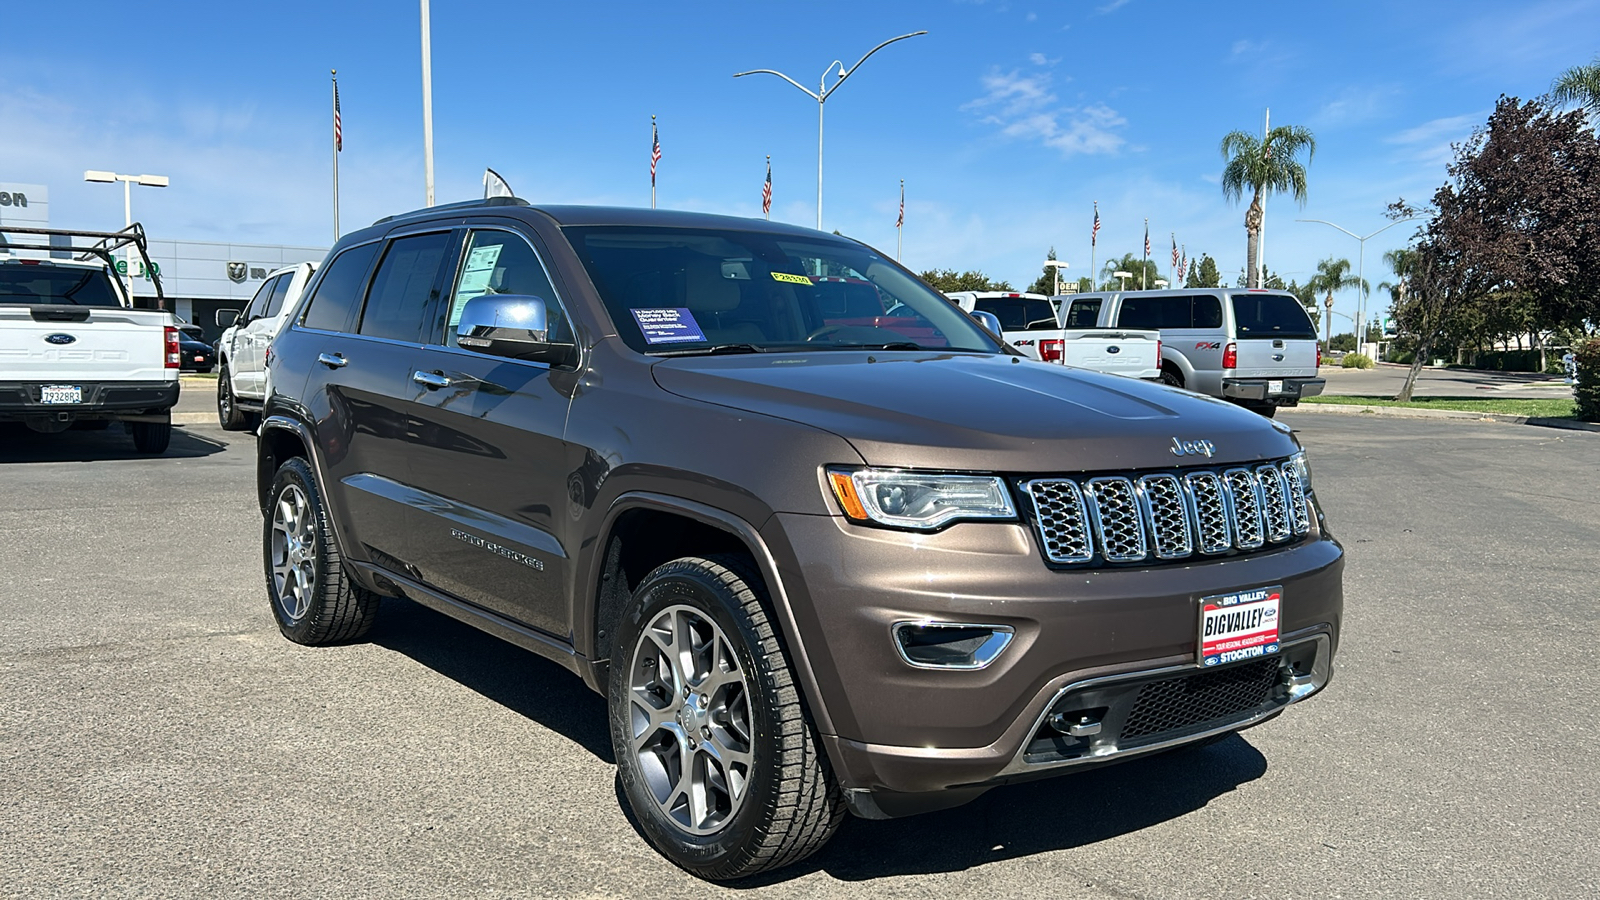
1036,817
19,444
523,682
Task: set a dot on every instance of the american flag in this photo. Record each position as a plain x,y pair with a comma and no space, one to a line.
655,152
1094,233
1183,264
766,191
338,130
901,220
1146,238
1174,250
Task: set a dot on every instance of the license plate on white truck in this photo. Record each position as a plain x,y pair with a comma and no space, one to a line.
60,393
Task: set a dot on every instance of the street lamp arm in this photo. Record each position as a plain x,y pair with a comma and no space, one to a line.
1331,225
808,92
1390,225
860,61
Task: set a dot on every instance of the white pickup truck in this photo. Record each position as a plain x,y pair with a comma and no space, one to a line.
74,352
1031,323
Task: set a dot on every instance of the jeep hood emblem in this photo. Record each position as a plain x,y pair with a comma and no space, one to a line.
1200,447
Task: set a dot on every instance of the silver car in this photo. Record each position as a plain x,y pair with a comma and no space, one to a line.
1257,348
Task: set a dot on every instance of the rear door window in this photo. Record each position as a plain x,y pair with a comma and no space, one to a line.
1271,316
1021,313
1084,313
258,304
275,302
1207,312
340,289
1154,312
403,286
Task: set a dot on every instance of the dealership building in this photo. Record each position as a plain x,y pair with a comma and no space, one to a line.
197,277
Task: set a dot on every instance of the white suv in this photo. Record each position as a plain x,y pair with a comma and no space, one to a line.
242,349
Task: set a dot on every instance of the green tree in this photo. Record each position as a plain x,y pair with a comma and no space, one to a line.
1345,341
1204,274
1085,284
1333,275
1133,264
1046,283
947,280
1579,85
1264,166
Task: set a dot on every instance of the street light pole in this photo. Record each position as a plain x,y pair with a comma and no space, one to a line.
1361,259
427,102
821,95
1056,265
1122,279
128,181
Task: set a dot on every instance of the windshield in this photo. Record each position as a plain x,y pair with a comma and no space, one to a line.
1271,316
687,290
63,285
1021,313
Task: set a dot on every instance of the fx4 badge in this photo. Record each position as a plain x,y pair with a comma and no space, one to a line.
1201,447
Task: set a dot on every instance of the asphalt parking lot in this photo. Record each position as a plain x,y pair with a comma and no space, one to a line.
159,738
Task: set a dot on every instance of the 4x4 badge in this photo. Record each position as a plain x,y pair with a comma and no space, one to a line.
1201,447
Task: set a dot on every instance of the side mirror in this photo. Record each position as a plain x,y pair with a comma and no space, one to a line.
226,317
510,325
987,319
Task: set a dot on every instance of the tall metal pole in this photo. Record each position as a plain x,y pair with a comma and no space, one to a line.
821,95
427,103
1261,236
335,143
1361,254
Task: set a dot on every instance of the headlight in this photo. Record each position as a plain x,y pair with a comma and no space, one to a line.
923,501
1299,464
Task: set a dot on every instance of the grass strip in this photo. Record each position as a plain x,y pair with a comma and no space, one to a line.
1552,408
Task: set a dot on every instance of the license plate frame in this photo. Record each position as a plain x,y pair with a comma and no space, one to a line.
1243,625
60,394
1275,387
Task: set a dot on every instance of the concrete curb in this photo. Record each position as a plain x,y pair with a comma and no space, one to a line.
1405,413
193,418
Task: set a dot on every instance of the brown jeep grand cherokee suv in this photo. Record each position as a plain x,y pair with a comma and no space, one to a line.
823,542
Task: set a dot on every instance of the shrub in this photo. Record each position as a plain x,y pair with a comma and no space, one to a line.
1356,361
1587,392
1404,357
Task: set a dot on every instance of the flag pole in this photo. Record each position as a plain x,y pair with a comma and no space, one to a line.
1094,235
900,223
655,142
766,201
336,127
1144,270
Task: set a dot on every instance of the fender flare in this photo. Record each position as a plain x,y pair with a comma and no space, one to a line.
750,536
1185,368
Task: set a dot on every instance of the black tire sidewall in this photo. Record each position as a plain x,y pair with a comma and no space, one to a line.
698,588
298,473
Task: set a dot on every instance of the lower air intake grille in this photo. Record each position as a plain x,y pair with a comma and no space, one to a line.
1188,701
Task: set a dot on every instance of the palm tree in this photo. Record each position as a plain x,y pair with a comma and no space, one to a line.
1580,85
1333,275
1263,166
1133,264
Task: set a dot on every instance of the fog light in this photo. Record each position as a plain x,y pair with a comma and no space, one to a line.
950,645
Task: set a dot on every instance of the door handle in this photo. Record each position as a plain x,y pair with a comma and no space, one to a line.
431,380
332,360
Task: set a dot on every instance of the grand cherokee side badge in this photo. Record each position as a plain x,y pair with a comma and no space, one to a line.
1201,447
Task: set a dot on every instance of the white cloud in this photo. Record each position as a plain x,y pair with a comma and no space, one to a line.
1113,6
1354,105
1430,142
1242,47
1024,107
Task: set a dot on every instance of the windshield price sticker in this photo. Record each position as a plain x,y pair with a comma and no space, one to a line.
1239,626
668,326
791,279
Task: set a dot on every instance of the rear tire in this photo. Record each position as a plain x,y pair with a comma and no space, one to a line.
1171,377
715,750
151,437
312,599
228,414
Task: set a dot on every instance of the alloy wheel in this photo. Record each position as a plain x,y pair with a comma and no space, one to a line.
294,550
689,716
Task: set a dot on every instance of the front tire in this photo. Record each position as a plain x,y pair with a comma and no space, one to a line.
313,601
715,749
228,414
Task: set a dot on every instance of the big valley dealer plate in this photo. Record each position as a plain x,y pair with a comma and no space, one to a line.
1239,626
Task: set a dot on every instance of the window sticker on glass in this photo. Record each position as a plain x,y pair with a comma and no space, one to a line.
475,277
791,279
668,326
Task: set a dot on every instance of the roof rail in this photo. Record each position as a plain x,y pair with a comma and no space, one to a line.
465,204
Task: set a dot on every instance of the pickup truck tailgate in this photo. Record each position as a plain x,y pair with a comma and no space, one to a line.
1134,354
103,344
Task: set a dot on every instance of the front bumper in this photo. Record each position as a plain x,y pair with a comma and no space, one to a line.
19,400
1290,389
946,735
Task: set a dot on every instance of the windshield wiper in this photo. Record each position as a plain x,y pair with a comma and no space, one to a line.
715,350
891,345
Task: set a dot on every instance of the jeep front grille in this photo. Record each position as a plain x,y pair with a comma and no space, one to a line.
1170,515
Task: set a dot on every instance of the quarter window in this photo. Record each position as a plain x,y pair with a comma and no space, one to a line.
339,290
403,286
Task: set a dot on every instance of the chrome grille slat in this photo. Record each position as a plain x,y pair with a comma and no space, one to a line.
1164,516
1274,512
1211,511
1119,522
1169,516
1062,520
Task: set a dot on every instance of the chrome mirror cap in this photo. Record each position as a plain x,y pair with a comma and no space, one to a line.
987,319
492,319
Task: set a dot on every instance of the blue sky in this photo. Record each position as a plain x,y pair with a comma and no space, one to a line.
1007,121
